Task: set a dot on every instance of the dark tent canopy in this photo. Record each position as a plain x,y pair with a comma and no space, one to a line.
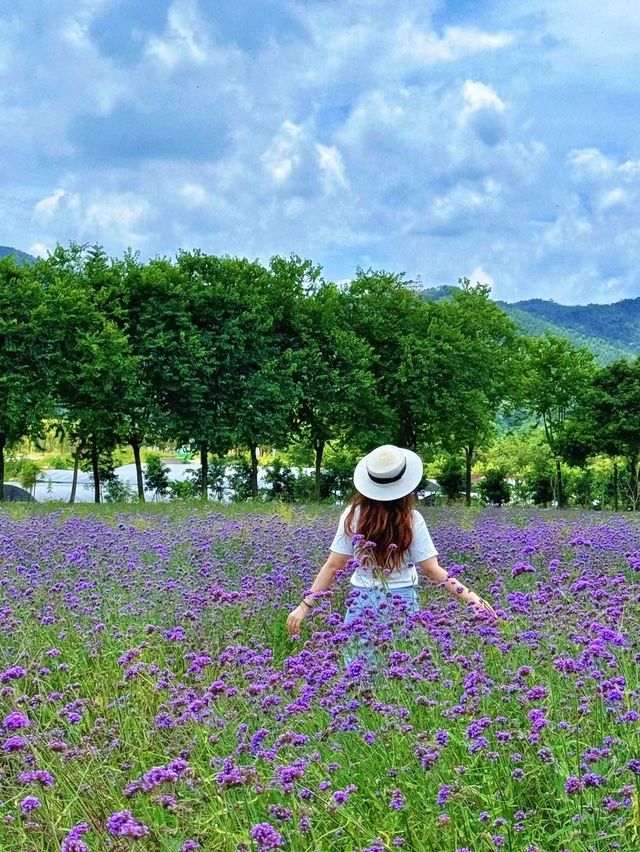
15,494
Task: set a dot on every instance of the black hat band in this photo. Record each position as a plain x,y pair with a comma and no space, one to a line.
388,480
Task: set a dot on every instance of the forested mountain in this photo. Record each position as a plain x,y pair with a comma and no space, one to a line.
21,256
618,322
609,331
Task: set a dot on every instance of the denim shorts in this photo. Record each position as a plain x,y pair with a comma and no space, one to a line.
372,598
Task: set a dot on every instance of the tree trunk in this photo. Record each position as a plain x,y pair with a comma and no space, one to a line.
468,451
319,447
559,481
634,482
96,472
3,442
254,470
615,486
76,465
204,470
135,444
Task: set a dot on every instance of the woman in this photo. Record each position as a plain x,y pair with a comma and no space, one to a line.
388,539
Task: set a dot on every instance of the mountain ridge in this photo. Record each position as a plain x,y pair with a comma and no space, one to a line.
610,331
21,256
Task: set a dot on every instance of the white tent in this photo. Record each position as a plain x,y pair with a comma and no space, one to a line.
56,484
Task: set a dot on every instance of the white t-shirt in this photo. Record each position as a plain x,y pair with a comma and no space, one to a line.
422,547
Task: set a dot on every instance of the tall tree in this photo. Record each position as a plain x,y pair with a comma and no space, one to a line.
142,410
263,352
227,354
26,357
336,399
396,324
476,370
170,351
609,414
556,375
96,363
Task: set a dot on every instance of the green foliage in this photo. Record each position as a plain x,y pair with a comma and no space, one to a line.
337,475
117,491
494,488
451,478
609,416
29,472
240,480
222,353
59,462
397,325
580,486
304,488
156,475
337,398
185,489
26,356
556,376
539,483
216,482
280,481
617,324
477,366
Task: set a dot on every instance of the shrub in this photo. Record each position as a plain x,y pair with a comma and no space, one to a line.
117,491
183,490
451,478
240,480
494,488
156,475
216,479
281,480
60,462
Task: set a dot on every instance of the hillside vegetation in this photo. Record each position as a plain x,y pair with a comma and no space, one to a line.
609,331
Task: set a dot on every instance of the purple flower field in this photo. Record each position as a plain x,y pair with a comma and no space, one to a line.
151,699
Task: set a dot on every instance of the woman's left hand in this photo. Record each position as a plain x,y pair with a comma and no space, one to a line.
484,607
295,619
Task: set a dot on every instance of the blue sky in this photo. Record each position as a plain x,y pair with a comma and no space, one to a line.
498,140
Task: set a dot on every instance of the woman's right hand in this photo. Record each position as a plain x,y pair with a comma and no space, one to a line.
295,619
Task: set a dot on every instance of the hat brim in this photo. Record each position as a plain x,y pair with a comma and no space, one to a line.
394,490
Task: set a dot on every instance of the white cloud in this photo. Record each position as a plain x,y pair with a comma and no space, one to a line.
184,39
332,166
40,250
117,211
479,96
479,274
613,198
283,155
194,195
457,42
590,164
49,206
366,132
483,112
471,200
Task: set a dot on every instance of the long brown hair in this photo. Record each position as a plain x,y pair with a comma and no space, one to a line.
388,523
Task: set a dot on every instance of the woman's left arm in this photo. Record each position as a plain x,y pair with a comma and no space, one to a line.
323,581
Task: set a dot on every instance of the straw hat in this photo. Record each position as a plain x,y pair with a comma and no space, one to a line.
388,473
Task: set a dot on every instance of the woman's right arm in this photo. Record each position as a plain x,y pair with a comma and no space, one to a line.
435,572
324,580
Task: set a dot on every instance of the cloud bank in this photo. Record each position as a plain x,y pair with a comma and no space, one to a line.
495,140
